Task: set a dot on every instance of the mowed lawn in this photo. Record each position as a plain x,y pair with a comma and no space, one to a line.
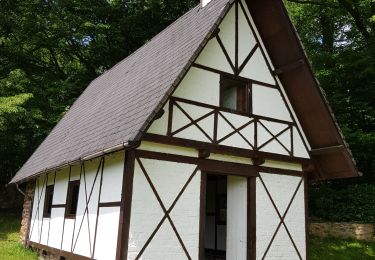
10,248
341,249
320,248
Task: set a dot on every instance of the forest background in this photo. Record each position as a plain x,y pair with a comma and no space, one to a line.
50,50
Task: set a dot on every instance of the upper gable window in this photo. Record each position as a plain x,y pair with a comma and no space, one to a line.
234,94
48,202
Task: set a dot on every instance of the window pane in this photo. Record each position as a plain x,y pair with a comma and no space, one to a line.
230,97
73,207
48,201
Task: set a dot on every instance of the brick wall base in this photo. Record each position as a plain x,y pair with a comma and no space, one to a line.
343,229
26,212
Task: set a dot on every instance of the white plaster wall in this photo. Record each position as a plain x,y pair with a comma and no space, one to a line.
84,233
235,140
281,188
56,227
68,235
212,56
168,179
160,126
268,102
236,218
246,39
57,232
112,177
200,85
299,147
61,186
203,86
37,213
227,33
44,231
164,148
106,241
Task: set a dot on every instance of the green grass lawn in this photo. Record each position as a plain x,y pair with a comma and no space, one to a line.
320,248
10,248
340,249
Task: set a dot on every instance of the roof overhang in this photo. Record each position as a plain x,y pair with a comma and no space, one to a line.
331,156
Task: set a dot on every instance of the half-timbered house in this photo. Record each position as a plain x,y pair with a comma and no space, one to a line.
199,145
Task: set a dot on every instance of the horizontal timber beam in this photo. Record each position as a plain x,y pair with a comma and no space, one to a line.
204,164
326,150
214,148
209,165
289,67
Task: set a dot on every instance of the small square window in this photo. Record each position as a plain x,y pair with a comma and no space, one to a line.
48,202
234,94
72,199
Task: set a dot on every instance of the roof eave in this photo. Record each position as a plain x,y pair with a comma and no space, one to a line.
303,89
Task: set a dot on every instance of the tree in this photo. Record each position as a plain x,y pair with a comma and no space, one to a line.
339,38
50,50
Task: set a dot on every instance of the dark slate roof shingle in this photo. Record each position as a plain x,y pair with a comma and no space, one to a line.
117,105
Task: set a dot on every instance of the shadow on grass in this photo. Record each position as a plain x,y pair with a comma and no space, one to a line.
10,246
10,222
342,249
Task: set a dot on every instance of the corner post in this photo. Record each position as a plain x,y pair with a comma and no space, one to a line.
307,221
125,208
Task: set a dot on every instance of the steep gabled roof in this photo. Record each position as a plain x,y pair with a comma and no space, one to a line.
116,108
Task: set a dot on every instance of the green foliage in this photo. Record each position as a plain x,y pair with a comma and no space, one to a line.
338,248
10,247
343,56
339,38
51,50
354,203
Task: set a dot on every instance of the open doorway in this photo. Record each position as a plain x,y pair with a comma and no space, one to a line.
226,210
216,217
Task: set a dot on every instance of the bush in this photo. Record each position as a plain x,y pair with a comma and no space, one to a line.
352,203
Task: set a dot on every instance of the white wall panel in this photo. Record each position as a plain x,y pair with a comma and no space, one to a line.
295,221
165,245
160,126
282,247
213,56
164,148
185,216
299,147
112,177
44,231
268,102
84,233
75,172
256,69
200,85
227,33
236,218
56,227
281,188
61,186
68,234
246,39
38,206
106,240
146,213
168,179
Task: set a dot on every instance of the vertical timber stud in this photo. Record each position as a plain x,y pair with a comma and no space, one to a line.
251,218
307,222
126,200
202,215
